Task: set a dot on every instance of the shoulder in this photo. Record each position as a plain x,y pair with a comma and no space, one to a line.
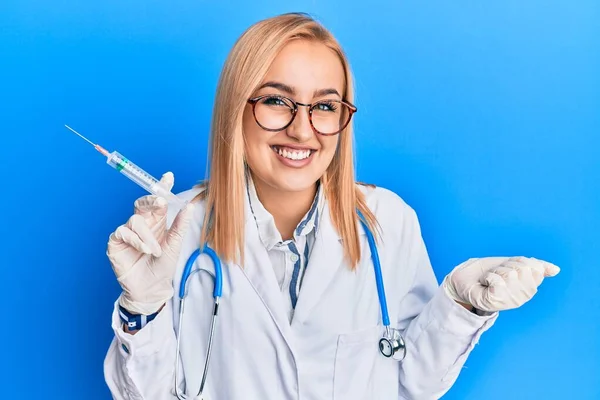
392,212
384,202
192,195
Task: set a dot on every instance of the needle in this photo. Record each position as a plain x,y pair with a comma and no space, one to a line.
136,174
79,134
96,146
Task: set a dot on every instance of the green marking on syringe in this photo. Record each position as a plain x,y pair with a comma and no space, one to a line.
121,164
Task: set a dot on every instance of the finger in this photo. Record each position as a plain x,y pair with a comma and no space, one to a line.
525,266
497,291
509,271
495,281
514,287
154,210
489,294
514,263
530,277
137,224
155,204
126,235
167,180
151,204
486,264
533,269
178,230
518,259
549,268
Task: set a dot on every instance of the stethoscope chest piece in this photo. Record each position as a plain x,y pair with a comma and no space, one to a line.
392,344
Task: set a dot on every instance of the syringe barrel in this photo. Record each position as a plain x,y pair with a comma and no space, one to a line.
141,177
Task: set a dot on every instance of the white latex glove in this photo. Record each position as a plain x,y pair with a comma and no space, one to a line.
497,283
143,253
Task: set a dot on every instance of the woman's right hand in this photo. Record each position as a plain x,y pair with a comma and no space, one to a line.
143,252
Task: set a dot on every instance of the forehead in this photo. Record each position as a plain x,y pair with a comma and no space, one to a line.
307,66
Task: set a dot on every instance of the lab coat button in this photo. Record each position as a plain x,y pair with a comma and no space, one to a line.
294,258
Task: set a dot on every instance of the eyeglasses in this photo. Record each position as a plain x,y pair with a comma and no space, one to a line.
274,113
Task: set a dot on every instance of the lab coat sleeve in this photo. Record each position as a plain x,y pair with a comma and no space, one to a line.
439,333
142,366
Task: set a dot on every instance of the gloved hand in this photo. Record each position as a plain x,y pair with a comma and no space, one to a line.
143,253
497,283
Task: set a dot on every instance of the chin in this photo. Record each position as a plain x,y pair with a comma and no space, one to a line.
295,184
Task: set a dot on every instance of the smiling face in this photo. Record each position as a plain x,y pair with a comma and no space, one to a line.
294,159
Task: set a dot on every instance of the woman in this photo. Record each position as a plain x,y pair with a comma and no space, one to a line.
300,316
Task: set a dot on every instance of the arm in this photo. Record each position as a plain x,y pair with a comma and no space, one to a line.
142,366
144,255
439,333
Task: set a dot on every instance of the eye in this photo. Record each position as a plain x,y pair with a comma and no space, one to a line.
274,101
328,106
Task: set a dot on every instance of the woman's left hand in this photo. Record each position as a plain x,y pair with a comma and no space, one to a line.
497,283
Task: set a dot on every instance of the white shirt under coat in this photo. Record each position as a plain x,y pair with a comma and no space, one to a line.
329,350
289,258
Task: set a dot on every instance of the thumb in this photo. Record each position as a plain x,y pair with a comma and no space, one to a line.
178,230
167,180
487,292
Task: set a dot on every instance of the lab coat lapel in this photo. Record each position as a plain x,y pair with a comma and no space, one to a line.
258,270
326,258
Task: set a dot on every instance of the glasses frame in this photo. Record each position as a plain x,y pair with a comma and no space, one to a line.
310,106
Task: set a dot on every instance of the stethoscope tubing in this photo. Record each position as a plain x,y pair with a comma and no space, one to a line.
218,290
385,317
187,271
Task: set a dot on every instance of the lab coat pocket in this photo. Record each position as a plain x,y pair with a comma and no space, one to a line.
355,361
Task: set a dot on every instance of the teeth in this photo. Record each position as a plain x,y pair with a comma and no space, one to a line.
292,154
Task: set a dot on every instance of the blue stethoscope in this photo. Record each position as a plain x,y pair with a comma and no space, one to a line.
391,342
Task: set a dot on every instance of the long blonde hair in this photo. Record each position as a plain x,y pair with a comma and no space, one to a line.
244,70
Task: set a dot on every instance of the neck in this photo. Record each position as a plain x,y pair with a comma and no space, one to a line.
287,208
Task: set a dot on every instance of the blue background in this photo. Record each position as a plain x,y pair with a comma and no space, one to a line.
484,116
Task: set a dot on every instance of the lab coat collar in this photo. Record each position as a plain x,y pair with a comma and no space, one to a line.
326,260
257,269
268,232
327,257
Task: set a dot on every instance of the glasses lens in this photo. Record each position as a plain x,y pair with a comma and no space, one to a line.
273,112
330,116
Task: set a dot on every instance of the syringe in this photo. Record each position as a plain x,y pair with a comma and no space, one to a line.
133,172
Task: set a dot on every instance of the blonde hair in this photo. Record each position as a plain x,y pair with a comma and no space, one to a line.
244,70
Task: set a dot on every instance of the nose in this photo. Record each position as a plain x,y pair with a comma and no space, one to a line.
300,129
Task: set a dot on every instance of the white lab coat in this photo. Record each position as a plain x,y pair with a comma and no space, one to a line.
330,349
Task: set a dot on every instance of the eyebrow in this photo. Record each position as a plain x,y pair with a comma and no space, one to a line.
291,91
